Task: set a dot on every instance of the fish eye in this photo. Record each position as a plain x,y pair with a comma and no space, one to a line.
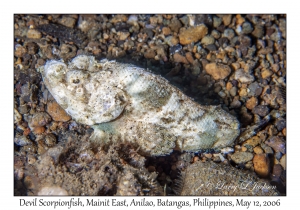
76,81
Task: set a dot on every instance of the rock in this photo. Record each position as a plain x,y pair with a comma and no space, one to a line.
208,155
258,150
175,25
172,41
277,143
239,20
255,89
277,170
119,18
39,119
53,190
207,40
124,35
235,104
192,34
226,19
261,164
132,20
180,59
283,161
247,28
258,31
217,21
67,21
56,112
17,116
241,157
265,73
211,47
261,110
20,51
282,27
38,130
22,140
280,124
166,31
149,54
229,33
254,141
217,70
243,92
229,85
233,91
266,148
23,109
34,34
251,103
243,76
190,58
216,34
284,131
222,94
278,155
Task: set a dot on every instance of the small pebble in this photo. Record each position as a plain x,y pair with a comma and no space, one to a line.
67,21
261,110
192,34
247,28
17,116
277,170
226,19
38,130
258,150
33,34
180,59
251,103
267,149
229,33
283,161
39,119
243,76
172,41
21,140
253,141
258,31
207,40
241,157
124,35
217,21
217,70
56,112
280,124
255,89
277,143
208,155
175,25
265,73
261,164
